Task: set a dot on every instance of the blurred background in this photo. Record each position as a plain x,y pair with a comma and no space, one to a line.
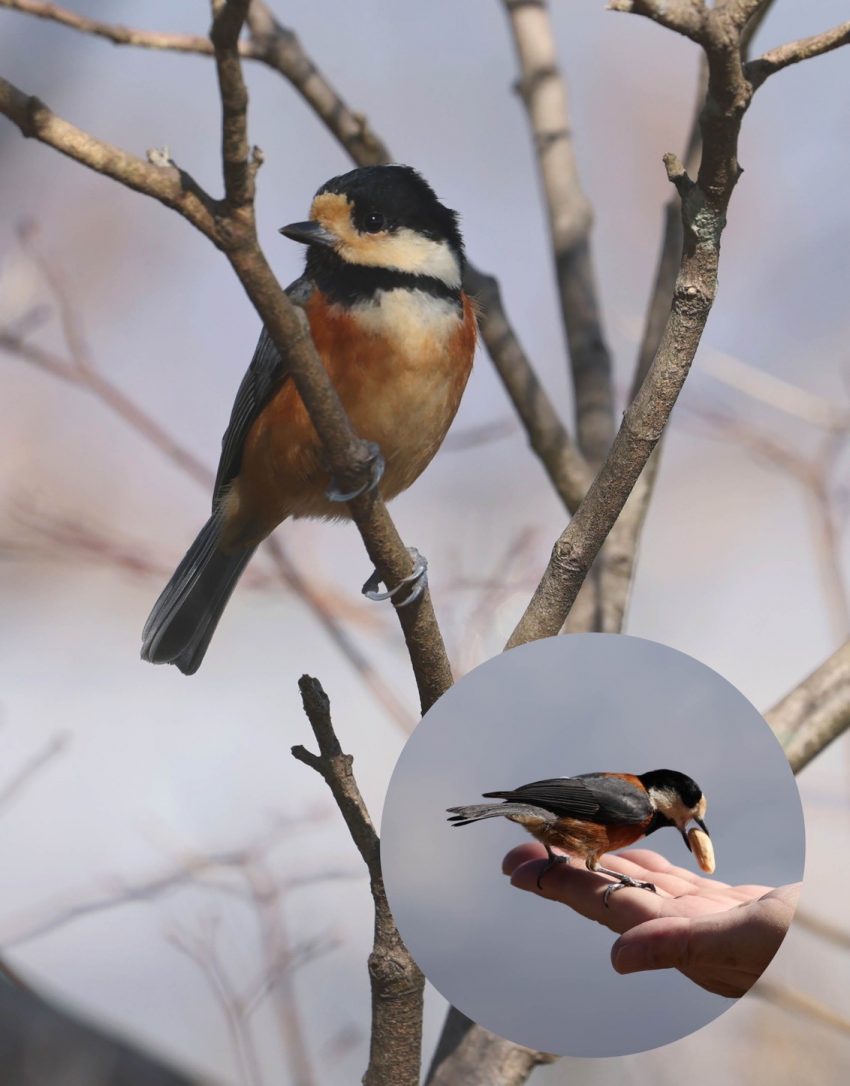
169,870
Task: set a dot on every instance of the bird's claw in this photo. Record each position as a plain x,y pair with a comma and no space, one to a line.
376,471
625,882
418,579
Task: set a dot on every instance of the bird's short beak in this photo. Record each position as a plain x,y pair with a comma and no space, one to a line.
309,233
702,826
684,834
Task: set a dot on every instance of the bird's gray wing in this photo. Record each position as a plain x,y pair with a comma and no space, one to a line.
264,376
590,797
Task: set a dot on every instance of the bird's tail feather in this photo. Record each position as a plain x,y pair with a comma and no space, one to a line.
181,624
464,816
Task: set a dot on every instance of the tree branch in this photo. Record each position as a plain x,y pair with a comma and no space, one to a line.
620,553
683,16
469,1054
397,984
542,89
279,48
171,186
228,19
723,33
816,712
113,32
776,59
270,43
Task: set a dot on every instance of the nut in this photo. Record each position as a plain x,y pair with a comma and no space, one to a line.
702,848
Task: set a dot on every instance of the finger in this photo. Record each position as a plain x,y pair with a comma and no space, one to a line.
660,943
652,861
521,855
751,891
667,881
584,891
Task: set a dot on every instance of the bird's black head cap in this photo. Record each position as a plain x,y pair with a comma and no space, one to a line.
396,197
684,786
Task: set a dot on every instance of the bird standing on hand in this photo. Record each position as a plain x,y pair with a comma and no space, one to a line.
595,813
396,333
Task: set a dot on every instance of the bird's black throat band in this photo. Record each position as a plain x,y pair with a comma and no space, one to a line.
348,284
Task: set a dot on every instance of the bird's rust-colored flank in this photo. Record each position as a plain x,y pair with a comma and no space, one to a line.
588,839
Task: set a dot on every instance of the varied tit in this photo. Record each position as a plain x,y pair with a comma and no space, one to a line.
396,333
595,813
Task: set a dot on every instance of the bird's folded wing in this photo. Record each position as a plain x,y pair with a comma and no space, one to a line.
264,376
593,797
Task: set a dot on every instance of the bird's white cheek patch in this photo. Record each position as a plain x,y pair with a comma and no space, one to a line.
402,250
407,251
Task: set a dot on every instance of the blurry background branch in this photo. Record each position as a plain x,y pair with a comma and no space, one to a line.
543,92
816,712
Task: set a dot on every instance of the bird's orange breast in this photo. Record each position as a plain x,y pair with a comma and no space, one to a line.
400,368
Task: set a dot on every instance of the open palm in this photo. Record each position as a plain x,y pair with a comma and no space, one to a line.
722,937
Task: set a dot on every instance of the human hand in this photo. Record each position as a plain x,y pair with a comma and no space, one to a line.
719,936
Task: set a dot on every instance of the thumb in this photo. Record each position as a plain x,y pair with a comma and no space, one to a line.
661,943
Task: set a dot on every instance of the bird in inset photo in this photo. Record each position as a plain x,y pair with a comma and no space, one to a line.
594,813
382,294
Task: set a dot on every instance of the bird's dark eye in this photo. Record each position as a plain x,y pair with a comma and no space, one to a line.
374,222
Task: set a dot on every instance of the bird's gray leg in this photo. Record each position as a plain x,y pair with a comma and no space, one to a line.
552,860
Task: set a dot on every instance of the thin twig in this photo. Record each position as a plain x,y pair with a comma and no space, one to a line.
567,469
397,984
270,43
776,59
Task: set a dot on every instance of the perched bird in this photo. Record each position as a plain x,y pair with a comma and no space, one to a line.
595,813
396,333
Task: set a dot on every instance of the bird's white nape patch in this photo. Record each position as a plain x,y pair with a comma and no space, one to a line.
405,250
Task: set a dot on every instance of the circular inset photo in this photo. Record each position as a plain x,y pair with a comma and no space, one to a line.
592,845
